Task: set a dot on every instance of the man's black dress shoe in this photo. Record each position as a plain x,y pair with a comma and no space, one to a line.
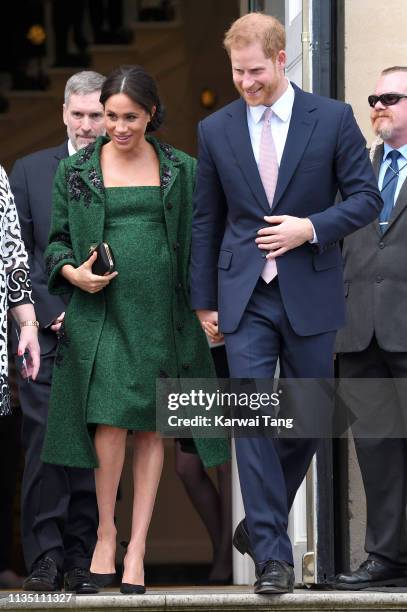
371,573
78,580
241,540
44,576
276,577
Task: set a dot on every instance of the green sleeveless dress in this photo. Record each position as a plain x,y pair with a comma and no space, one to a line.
137,335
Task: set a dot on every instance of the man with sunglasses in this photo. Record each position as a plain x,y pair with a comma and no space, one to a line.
373,345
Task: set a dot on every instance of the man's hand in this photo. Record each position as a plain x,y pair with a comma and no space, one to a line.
56,324
283,234
84,278
209,323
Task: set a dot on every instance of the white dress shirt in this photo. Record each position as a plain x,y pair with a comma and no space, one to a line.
280,122
71,148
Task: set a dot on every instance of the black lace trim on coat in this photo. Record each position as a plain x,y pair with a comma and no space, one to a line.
77,188
166,175
62,237
86,153
53,260
168,152
96,179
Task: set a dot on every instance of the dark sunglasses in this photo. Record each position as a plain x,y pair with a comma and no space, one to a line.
387,99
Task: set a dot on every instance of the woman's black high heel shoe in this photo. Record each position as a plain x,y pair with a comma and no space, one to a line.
127,588
103,580
132,589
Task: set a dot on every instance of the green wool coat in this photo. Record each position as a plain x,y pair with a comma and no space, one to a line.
78,222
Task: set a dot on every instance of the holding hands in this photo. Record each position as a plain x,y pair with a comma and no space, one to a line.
209,323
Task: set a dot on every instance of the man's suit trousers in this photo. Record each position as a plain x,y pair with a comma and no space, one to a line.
59,511
382,458
272,469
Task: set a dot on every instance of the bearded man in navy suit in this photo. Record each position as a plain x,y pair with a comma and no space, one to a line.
266,257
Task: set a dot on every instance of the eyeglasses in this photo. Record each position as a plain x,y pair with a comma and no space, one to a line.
387,99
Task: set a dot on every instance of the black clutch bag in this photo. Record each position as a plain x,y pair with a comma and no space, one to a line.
105,260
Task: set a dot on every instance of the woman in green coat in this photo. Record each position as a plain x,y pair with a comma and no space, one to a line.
127,328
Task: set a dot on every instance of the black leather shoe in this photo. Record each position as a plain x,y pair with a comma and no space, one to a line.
371,573
276,577
44,576
241,540
78,580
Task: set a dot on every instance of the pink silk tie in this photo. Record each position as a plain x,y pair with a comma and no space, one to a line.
268,169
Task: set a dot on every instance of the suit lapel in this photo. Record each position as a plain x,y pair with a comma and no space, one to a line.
57,154
302,125
88,174
377,159
87,163
400,205
62,151
237,132
376,163
169,165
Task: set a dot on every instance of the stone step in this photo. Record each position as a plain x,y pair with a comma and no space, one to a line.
209,599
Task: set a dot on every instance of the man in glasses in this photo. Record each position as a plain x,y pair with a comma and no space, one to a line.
373,345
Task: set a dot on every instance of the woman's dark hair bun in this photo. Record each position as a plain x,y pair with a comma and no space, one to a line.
157,119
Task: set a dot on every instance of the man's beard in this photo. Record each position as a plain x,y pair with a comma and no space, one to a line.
384,131
267,91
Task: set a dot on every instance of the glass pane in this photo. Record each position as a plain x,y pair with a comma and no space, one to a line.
256,5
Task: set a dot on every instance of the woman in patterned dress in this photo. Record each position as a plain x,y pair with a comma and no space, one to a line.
15,294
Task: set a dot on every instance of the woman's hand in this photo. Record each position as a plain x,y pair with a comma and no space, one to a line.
28,339
56,324
29,343
84,278
209,323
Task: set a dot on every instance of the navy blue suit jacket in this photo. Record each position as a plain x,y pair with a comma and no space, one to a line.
324,152
31,181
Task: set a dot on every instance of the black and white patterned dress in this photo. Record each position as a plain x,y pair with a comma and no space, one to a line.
15,284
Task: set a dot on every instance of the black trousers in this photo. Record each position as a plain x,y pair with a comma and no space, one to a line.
10,453
59,511
379,429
